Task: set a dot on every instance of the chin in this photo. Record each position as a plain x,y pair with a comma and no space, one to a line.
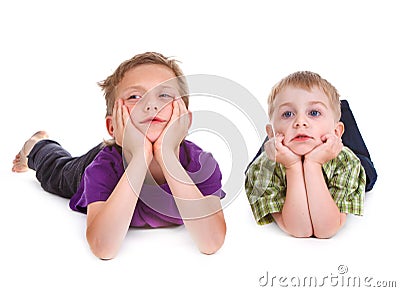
152,137
301,151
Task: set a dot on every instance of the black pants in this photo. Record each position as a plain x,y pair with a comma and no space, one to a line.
57,171
351,138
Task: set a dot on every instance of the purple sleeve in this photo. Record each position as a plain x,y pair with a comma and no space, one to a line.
98,180
204,171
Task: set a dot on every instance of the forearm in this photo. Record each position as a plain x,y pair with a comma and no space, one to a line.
202,215
109,222
325,215
295,217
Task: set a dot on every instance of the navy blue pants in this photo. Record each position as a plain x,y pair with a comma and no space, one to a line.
351,138
57,171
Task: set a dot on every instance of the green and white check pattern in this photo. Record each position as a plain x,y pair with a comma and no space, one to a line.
265,185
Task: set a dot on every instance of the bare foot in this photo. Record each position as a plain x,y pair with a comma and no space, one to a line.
20,163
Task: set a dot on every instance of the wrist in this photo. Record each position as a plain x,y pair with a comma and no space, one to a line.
310,163
294,166
166,152
137,154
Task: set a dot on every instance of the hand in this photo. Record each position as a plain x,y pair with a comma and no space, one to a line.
126,135
278,152
329,149
174,132
118,122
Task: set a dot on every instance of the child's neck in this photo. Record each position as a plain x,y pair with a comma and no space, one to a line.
155,174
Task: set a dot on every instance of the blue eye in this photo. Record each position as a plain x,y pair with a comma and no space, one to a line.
166,95
287,114
315,113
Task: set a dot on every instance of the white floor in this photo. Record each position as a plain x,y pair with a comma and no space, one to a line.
52,57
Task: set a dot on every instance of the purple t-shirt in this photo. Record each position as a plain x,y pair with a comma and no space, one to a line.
156,206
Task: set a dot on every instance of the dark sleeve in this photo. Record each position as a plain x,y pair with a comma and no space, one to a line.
98,180
352,138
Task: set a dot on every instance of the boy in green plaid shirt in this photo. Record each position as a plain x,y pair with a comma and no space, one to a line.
305,180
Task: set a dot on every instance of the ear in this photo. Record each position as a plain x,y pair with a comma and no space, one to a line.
270,131
109,125
339,129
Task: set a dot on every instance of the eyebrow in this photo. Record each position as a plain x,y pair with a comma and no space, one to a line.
134,87
320,103
142,89
311,103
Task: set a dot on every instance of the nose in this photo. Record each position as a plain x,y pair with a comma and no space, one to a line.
151,104
150,107
300,121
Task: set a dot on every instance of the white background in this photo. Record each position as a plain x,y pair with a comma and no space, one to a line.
52,53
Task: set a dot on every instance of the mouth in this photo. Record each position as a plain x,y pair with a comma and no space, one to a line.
301,138
153,120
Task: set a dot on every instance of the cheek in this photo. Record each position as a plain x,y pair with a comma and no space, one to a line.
166,111
280,128
130,107
286,141
283,130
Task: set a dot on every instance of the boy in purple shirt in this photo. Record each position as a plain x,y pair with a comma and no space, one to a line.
148,175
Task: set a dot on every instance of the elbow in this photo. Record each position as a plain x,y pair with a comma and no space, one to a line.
318,233
325,234
301,233
328,230
100,248
103,253
211,247
213,244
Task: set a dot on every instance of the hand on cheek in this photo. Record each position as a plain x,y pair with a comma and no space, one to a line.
118,122
127,135
174,132
277,151
329,149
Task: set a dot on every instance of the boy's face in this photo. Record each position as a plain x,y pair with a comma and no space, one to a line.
303,117
148,95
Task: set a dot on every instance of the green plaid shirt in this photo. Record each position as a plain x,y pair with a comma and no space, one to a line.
266,185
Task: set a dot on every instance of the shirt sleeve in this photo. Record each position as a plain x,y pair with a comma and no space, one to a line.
265,187
206,174
346,181
98,180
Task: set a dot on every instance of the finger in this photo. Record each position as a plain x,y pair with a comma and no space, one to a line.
114,113
327,137
182,107
331,141
125,114
176,110
279,139
184,113
115,119
181,112
119,114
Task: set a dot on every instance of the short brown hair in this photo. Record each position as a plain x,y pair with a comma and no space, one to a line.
306,80
110,83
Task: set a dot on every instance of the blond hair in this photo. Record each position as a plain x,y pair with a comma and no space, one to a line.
306,80
109,85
